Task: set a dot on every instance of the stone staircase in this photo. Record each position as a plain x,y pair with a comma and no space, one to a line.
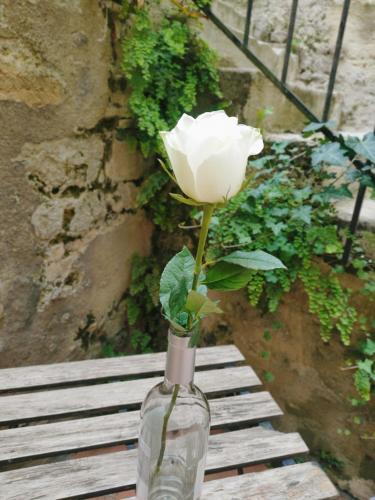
249,91
257,92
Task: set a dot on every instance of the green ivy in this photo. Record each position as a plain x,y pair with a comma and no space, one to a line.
287,211
329,301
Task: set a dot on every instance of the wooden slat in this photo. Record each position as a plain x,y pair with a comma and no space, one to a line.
299,482
112,396
117,471
32,377
42,440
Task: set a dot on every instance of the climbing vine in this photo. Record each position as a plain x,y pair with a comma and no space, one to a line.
287,211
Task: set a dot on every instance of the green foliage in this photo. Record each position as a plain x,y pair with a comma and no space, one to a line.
362,382
268,376
338,153
152,185
364,376
255,288
170,70
363,147
315,127
257,260
288,213
175,283
234,271
133,310
267,335
140,341
368,347
181,305
227,277
329,301
168,67
142,303
201,305
330,153
330,462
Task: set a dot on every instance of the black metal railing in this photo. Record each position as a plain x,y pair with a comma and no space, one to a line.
288,49
281,84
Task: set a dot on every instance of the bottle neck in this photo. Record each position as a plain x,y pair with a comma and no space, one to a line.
180,360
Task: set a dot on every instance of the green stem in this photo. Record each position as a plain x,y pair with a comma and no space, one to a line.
207,214
164,430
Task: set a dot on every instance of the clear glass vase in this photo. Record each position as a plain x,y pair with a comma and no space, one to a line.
174,430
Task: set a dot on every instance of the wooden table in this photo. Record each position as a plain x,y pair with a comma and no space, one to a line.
50,414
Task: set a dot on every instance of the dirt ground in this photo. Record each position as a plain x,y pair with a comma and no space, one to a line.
307,378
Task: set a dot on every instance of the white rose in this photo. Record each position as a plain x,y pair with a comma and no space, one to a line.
209,155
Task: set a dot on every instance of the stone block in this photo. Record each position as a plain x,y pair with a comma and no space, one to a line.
26,78
124,198
345,209
89,209
48,219
61,164
55,58
125,163
106,263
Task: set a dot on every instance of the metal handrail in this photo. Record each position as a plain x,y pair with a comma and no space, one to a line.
280,83
247,23
288,49
335,61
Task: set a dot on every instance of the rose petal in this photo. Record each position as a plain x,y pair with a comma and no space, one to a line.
254,139
182,131
180,166
211,133
221,176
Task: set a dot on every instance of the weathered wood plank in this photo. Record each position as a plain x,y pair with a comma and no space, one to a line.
32,377
300,482
112,396
117,471
296,482
42,440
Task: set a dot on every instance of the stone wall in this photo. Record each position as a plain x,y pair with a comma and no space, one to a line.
69,223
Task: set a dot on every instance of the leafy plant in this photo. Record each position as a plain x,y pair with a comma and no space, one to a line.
330,462
169,71
142,304
364,375
168,68
185,280
289,214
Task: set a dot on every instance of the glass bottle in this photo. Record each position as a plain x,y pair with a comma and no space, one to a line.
174,430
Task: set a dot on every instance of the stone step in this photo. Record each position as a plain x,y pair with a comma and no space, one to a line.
271,54
345,210
250,91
